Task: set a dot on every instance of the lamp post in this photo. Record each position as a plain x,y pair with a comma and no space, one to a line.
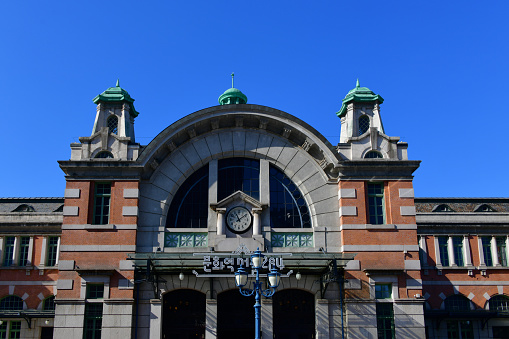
241,277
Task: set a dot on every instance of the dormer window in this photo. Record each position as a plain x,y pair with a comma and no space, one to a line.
363,124
442,208
112,123
484,208
24,208
373,155
104,155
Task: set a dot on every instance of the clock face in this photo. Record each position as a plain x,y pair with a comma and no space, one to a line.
239,219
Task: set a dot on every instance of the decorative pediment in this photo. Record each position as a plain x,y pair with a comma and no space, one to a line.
238,196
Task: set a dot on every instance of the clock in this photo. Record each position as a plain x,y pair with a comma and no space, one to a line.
239,219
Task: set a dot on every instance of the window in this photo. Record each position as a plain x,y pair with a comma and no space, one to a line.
443,250
93,320
501,250
457,246
51,259
189,206
9,251
363,124
500,332
104,155
461,329
376,204
11,303
95,291
484,208
49,304
499,303
457,303
442,208
24,208
288,209
238,174
112,123
385,320
373,155
102,203
23,251
486,250
383,291
14,328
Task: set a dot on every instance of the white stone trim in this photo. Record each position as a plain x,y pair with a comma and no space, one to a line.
407,210
126,265
125,284
466,251
414,283
130,211
380,248
393,280
95,279
98,248
347,211
106,226
406,192
466,283
66,265
412,265
347,193
384,226
131,193
353,265
438,258
71,211
424,248
72,193
65,284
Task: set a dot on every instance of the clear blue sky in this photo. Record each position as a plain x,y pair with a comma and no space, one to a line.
441,66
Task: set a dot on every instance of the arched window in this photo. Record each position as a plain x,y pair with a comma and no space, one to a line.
49,304
189,207
104,155
288,209
238,174
112,123
442,208
484,208
457,303
24,208
363,124
373,155
499,303
11,303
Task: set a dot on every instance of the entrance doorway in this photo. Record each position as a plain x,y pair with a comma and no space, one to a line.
235,315
184,315
293,314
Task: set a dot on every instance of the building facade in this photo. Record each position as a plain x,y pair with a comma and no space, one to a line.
147,238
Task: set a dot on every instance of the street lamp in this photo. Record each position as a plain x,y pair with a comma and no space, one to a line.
241,277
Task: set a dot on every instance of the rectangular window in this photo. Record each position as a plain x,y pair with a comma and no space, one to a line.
501,251
444,250
102,203
93,320
383,291
15,330
376,204
462,329
3,330
9,251
457,246
385,321
95,291
500,332
23,251
51,259
486,250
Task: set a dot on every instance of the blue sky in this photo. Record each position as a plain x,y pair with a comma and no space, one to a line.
441,66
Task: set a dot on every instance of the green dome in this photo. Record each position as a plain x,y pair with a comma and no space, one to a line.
232,96
117,94
358,94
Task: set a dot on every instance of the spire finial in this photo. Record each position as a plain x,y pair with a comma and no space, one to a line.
357,84
118,82
233,75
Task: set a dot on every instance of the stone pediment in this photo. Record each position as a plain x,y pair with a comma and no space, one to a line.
238,196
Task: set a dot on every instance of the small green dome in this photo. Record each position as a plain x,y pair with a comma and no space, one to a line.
117,94
232,96
358,94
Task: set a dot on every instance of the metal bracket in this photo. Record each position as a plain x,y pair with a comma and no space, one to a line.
331,274
28,319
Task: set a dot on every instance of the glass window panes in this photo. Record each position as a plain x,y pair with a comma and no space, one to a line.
95,291
462,329
104,155
457,303
102,203
23,251
501,251
373,155
113,124
457,243
11,303
385,320
189,206
51,259
15,330
49,304
486,250
3,330
238,174
376,204
9,251
288,209
93,320
499,303
443,249
383,291
363,124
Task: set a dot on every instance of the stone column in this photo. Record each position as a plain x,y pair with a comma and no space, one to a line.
17,242
257,227
466,251
438,259
220,221
450,250
422,245
155,319
481,251
267,316
264,182
494,252
211,319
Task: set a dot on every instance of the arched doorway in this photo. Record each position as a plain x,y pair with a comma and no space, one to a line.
294,314
235,315
184,315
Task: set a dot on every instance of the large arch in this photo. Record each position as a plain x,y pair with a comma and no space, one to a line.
294,314
183,315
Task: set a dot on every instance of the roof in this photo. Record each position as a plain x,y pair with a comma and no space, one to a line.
117,94
358,94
